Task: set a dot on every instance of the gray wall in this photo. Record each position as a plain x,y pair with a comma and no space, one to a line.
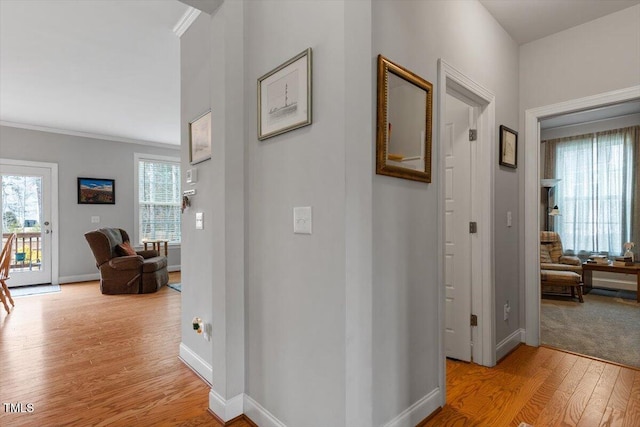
405,332
197,296
308,299
295,287
83,157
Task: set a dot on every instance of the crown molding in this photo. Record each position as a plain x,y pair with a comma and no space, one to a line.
90,135
185,22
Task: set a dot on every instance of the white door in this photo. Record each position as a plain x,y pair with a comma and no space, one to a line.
458,255
26,201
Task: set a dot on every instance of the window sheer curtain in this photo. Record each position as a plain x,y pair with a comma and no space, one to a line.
599,191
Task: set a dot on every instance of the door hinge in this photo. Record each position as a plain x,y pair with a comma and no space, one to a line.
473,227
474,320
473,134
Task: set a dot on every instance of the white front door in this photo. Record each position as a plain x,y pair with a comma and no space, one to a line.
458,255
26,201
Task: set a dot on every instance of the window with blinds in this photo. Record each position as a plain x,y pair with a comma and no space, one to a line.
159,199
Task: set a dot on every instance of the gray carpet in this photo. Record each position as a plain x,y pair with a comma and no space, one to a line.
175,286
603,327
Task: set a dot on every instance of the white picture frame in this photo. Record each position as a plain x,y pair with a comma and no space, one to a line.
200,138
284,97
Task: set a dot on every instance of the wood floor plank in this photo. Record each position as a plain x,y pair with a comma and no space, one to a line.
632,413
597,403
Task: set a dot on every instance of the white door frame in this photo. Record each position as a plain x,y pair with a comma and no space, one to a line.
531,251
53,167
452,80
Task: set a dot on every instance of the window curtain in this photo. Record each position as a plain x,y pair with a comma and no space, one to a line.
598,193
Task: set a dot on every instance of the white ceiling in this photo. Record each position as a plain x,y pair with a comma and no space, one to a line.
101,67
528,20
112,68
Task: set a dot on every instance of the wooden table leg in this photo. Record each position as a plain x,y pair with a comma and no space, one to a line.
587,278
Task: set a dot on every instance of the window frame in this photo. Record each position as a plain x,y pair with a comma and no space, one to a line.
137,157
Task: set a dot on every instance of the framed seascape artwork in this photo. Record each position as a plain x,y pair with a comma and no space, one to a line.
508,147
284,97
96,191
200,138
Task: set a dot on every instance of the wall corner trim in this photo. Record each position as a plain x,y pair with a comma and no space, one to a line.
509,343
226,409
196,363
185,21
417,412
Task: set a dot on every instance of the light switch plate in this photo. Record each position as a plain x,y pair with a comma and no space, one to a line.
199,220
95,219
302,220
508,218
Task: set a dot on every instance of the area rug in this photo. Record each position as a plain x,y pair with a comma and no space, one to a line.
602,327
22,291
175,286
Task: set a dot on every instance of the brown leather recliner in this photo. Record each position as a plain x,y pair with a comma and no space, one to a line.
142,273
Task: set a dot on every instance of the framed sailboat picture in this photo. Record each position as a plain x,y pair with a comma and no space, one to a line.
284,97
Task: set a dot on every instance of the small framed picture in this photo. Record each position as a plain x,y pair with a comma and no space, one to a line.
284,97
200,138
508,147
96,191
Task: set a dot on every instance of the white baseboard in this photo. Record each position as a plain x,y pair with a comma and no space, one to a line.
259,415
417,412
615,283
228,409
173,268
509,343
79,278
196,363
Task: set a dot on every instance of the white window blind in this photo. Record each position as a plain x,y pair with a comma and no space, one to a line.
159,200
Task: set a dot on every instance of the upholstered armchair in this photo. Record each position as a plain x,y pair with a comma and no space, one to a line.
552,255
122,269
558,271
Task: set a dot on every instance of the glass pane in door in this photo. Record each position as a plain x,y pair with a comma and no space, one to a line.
22,214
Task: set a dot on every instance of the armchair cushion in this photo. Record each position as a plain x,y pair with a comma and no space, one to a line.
545,256
124,249
570,260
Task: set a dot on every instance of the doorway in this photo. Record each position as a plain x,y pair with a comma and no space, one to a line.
479,104
531,251
28,199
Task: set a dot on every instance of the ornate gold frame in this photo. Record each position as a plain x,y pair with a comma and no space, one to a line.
385,66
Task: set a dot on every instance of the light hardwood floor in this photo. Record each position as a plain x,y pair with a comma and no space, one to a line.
542,387
81,358
86,359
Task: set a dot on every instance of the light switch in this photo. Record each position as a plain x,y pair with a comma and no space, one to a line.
199,220
508,218
302,220
95,219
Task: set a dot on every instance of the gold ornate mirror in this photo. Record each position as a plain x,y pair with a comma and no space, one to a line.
403,137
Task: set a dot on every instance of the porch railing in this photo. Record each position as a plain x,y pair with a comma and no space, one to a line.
26,253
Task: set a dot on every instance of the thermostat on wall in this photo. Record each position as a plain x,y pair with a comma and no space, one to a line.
192,176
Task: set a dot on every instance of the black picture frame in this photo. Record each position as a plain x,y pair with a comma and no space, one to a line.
508,155
96,191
